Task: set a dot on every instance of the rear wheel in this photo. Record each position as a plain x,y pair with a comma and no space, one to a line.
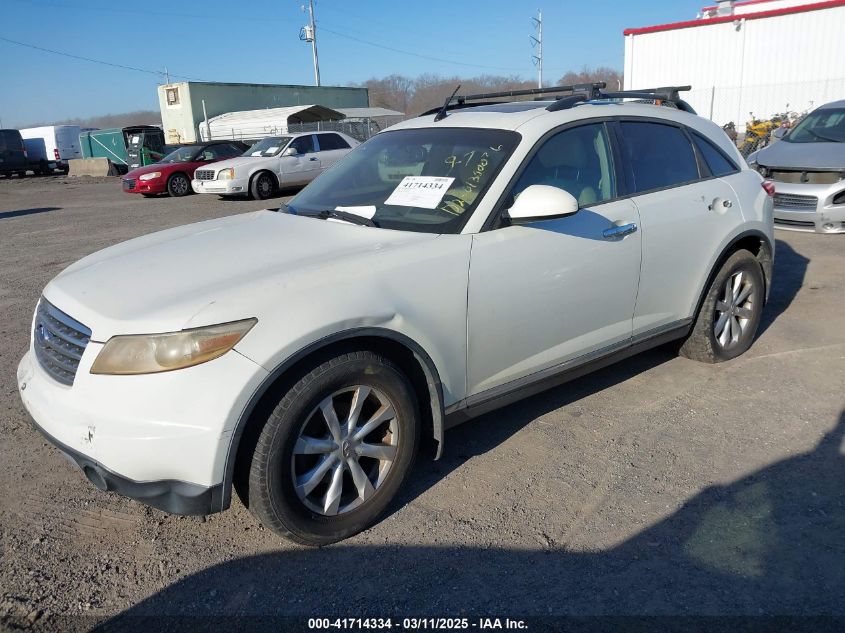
178,185
730,314
335,450
262,186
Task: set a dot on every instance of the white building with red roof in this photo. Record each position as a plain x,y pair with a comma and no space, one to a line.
758,56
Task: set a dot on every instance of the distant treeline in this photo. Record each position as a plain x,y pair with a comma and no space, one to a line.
415,95
138,117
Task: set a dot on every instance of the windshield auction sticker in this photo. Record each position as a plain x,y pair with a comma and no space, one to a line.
424,192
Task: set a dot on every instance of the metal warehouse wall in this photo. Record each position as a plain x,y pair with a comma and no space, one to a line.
758,65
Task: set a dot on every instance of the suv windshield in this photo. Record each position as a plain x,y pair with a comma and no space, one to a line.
181,155
269,146
821,126
426,180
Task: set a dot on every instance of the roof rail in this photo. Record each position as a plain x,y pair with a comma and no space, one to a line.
461,100
665,93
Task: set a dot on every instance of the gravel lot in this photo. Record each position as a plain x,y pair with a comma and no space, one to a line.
658,486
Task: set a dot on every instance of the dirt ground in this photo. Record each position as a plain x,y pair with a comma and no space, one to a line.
658,486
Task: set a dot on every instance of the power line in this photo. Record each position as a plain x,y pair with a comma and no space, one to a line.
420,55
92,60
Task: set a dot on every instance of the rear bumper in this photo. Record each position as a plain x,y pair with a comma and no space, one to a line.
175,497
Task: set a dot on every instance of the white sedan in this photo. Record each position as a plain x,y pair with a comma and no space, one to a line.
273,163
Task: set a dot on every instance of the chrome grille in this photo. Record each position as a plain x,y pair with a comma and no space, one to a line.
204,174
59,342
794,202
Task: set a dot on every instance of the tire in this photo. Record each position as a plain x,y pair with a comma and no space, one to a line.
334,508
728,320
263,186
21,174
178,185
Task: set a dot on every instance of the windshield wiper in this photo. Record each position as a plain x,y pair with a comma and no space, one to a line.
346,217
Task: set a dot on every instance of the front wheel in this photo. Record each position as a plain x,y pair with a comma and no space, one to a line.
178,185
262,186
335,450
730,314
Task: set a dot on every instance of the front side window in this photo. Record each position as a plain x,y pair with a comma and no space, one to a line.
427,180
181,155
577,160
660,155
303,144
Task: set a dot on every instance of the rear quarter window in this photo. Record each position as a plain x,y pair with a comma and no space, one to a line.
718,163
660,155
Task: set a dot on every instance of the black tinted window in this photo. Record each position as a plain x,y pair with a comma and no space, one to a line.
717,162
304,144
331,141
660,155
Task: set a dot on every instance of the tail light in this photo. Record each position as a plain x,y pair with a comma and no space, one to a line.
56,153
769,186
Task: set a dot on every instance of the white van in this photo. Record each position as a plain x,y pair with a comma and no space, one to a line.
51,146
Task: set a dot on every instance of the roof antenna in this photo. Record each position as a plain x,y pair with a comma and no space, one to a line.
442,114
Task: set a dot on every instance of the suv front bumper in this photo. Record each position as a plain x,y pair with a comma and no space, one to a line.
162,439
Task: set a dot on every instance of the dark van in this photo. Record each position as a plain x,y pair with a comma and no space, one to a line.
13,158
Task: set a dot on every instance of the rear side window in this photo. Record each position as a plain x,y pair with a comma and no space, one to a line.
717,162
331,141
660,155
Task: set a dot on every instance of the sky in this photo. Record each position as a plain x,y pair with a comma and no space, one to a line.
257,41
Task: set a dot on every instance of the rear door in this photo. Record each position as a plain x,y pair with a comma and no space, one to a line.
332,147
67,143
12,154
685,212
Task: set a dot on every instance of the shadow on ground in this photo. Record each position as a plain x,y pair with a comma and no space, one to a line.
770,543
23,212
789,270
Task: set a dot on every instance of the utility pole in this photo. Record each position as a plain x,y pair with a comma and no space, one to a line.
308,33
166,76
538,42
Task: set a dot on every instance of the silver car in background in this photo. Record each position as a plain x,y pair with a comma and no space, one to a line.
808,168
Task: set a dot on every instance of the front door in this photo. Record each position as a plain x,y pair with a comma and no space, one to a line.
303,167
554,291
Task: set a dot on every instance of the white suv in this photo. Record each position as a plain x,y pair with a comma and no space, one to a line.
272,163
450,265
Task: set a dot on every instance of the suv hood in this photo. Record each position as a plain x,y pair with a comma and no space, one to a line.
803,155
210,272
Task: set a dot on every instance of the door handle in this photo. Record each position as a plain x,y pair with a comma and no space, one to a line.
313,158
619,231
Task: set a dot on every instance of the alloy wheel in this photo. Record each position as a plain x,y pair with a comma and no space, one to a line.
735,310
344,450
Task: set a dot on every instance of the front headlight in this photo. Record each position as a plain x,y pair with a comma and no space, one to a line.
150,176
151,353
226,174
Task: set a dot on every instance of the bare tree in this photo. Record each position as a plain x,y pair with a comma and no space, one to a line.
588,75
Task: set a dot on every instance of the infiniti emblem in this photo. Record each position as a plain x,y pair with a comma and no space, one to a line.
346,449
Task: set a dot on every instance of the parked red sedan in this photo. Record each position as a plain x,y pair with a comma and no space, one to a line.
173,173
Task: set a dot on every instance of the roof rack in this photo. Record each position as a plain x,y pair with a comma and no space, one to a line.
665,93
461,100
581,93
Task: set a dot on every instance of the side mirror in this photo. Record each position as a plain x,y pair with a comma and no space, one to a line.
290,151
780,132
542,202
